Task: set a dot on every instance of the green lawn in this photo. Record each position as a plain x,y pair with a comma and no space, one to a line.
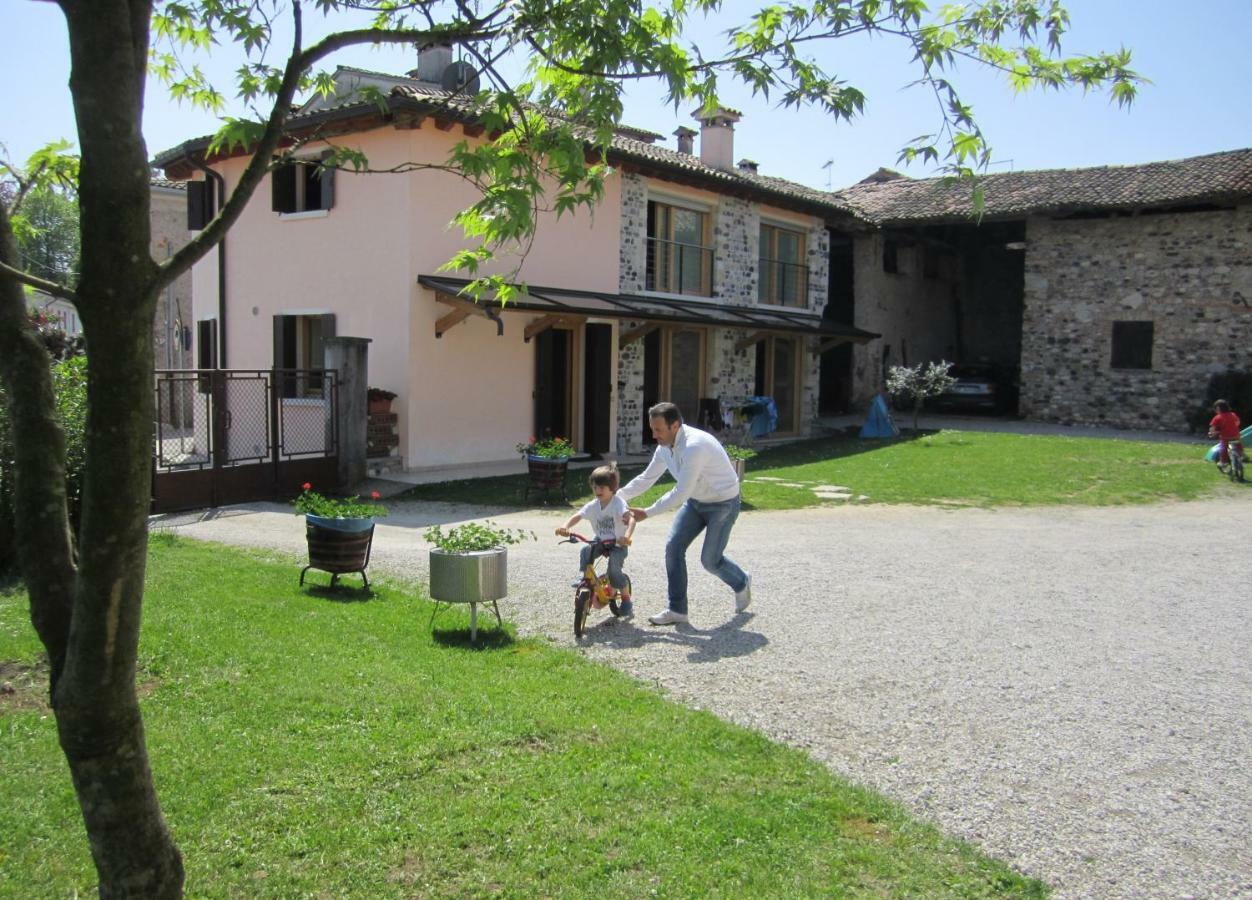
946,467
308,745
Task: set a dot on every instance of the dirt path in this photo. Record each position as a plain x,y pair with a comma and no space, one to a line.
1068,688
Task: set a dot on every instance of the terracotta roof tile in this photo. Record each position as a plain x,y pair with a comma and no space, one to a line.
1217,177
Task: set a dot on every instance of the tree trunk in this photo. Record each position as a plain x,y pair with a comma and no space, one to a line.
93,697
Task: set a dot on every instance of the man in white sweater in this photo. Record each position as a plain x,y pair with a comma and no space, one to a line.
707,497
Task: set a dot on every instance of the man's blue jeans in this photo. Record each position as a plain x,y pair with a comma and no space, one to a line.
692,518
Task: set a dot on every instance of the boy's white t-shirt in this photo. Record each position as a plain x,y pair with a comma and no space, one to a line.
607,521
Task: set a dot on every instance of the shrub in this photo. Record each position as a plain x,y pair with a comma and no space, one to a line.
1232,385
915,383
69,380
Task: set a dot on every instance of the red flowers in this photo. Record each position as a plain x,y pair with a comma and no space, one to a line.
308,485
374,495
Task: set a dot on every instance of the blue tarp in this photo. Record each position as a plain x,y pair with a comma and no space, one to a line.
1246,434
878,424
764,416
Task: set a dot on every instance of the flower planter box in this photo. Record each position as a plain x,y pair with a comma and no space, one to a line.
338,546
473,578
546,473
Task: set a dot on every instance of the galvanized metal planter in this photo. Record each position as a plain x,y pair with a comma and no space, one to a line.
473,578
739,465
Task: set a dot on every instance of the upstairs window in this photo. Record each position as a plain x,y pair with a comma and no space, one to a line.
890,256
679,258
1132,345
784,269
302,185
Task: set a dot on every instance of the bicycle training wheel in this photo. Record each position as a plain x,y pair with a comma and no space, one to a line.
582,600
615,605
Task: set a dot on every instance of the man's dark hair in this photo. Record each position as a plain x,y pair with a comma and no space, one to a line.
667,411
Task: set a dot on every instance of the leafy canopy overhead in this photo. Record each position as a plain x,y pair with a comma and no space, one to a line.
553,125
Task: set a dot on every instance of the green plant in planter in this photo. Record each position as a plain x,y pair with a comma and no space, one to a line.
734,451
312,503
548,448
475,537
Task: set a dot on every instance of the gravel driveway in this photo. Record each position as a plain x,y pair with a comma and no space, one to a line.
1068,688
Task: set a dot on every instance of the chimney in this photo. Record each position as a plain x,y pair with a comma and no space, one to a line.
432,61
717,137
748,165
686,139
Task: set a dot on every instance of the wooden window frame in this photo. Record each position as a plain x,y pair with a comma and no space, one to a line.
665,379
798,375
771,294
655,204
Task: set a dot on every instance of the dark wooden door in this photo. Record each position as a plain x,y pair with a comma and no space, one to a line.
597,388
552,383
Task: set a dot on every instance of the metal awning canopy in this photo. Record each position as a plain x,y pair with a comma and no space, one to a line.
558,306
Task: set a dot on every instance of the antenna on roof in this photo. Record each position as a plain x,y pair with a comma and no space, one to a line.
827,166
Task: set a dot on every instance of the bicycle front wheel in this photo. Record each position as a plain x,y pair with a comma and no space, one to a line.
582,600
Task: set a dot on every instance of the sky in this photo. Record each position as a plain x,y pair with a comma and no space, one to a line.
1195,54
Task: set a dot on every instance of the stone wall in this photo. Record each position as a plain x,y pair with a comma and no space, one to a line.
168,216
730,375
1190,274
915,315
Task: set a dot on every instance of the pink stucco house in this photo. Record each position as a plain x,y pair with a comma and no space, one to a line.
696,280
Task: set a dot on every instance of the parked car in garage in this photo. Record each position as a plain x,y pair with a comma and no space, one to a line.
979,387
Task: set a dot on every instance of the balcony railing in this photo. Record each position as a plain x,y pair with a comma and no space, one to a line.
675,267
783,283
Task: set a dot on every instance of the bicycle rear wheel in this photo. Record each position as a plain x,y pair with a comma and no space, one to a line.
582,600
1236,467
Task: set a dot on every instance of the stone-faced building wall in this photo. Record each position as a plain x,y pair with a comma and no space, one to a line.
1189,274
730,374
168,217
915,314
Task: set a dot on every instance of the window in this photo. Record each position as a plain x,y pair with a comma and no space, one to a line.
299,346
1132,345
674,360
778,376
890,256
784,277
302,185
679,260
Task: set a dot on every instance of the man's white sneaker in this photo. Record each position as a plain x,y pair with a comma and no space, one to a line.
743,599
669,617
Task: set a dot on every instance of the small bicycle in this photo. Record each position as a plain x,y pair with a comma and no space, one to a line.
593,589
1234,449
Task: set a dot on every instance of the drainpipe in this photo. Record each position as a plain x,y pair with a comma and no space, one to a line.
221,262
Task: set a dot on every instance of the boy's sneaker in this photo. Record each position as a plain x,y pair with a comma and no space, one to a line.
625,609
668,617
743,599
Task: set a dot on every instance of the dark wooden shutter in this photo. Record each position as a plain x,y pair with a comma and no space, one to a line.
283,184
206,352
199,204
285,354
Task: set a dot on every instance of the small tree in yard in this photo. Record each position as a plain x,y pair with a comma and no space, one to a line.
916,383
86,598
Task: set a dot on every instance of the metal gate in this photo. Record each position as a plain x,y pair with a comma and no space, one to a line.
231,436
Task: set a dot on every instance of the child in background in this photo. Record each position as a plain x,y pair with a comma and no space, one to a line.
606,513
1225,427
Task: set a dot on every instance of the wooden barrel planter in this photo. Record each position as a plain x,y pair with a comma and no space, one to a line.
546,474
338,546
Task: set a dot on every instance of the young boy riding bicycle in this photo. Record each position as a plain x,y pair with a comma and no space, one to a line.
1225,427
606,513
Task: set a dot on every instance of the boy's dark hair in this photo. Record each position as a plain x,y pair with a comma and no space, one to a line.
606,476
667,411
1222,406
